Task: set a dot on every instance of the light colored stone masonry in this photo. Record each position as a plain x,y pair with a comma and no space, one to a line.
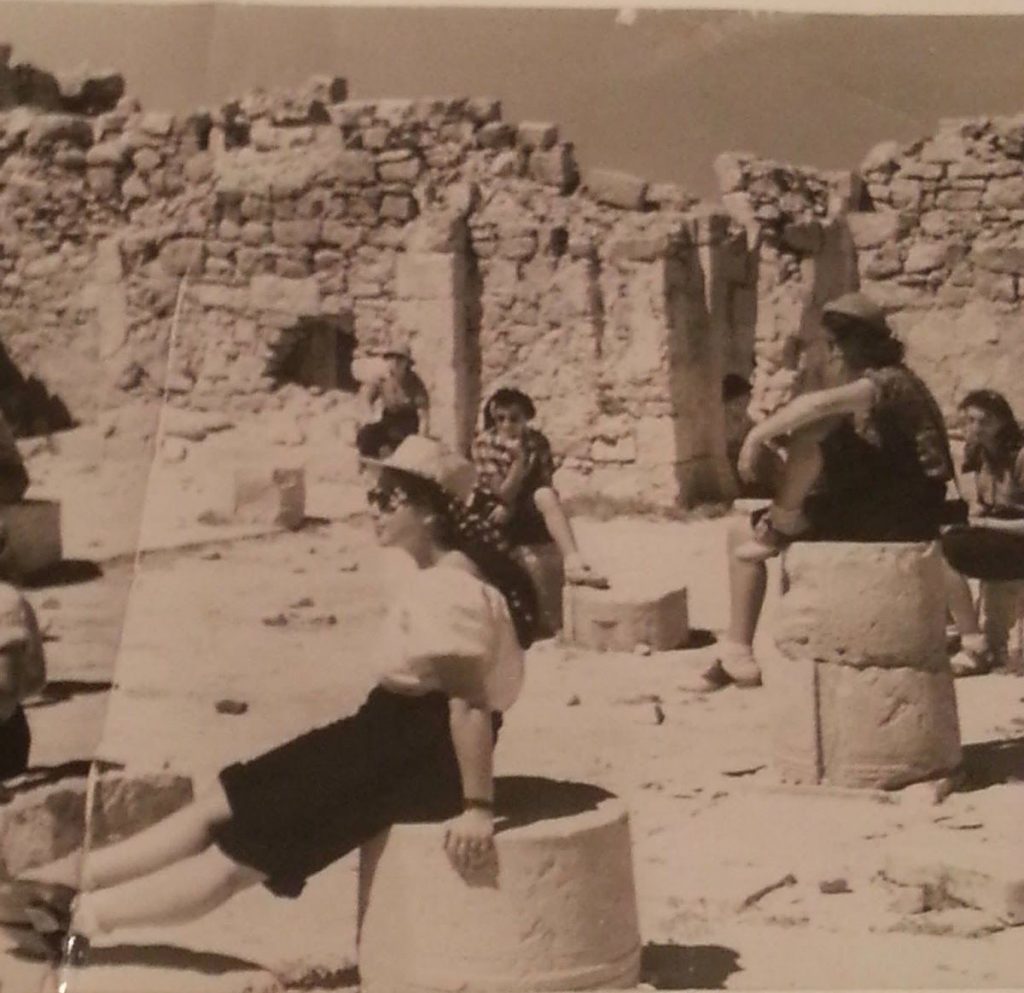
304,222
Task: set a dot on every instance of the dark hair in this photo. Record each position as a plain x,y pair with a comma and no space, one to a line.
508,397
463,530
734,386
1010,438
875,346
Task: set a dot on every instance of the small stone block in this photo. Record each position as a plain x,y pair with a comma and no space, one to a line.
33,535
267,496
618,619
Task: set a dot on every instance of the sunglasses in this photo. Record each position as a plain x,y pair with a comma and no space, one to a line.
386,499
508,417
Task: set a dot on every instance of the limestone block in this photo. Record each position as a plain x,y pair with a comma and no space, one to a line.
425,275
999,258
297,232
882,158
555,167
543,563
870,229
556,912
33,536
1007,192
181,256
296,297
926,256
537,134
864,690
264,495
620,618
617,189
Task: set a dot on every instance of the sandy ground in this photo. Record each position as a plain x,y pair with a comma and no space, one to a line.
285,624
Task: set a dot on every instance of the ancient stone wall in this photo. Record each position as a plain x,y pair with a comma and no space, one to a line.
242,257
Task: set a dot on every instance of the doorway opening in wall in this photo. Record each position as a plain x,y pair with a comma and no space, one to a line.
316,352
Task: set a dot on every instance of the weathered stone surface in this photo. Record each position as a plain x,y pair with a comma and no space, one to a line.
974,872
617,620
537,134
46,129
181,256
999,258
555,167
1007,193
882,158
870,229
355,167
561,913
617,189
263,495
298,297
427,276
730,171
926,256
865,691
85,92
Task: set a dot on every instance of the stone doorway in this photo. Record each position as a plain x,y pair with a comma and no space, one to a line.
316,352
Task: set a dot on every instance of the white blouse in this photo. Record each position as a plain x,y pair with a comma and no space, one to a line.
450,631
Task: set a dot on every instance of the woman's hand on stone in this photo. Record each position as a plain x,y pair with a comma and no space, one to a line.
469,839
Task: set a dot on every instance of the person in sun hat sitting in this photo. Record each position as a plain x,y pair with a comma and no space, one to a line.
393,405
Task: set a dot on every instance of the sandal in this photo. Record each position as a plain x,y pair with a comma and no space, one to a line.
729,669
44,932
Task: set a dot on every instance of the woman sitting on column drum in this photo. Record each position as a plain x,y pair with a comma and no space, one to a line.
420,748
865,460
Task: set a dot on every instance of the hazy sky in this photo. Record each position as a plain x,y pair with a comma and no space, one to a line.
660,97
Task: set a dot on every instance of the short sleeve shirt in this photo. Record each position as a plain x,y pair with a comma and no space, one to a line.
450,631
493,456
1001,488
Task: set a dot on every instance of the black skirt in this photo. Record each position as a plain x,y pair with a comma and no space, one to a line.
303,805
985,553
15,741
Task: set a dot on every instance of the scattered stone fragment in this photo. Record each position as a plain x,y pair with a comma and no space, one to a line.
787,880
275,621
833,886
306,601
233,707
573,701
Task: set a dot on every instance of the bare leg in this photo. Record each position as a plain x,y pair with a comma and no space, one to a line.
960,602
577,569
974,656
184,833
1000,607
172,895
748,582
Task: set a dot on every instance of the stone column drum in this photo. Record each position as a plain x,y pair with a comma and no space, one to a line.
864,688
557,912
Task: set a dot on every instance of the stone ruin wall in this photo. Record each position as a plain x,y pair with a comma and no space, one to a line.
284,219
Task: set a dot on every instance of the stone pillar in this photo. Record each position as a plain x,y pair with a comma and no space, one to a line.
864,689
659,359
432,288
556,912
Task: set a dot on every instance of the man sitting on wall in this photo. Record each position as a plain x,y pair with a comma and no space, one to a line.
515,486
393,405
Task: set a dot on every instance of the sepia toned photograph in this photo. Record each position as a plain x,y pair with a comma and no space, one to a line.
510,500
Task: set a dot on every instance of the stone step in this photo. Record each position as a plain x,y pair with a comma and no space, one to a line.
135,978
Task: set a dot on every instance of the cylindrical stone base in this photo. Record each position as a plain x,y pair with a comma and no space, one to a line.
865,693
557,911
623,617
545,568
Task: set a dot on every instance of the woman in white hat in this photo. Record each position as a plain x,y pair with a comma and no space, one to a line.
420,748
865,460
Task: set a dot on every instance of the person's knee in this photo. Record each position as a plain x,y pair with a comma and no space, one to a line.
546,500
211,806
